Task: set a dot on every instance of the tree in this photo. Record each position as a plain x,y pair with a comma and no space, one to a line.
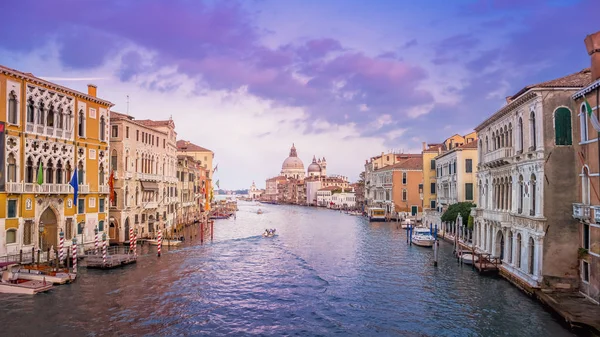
464,208
361,178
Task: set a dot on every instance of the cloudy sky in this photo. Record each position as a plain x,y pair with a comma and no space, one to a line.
341,79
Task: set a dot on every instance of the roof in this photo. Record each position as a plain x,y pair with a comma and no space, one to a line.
114,114
433,147
187,146
469,145
149,122
412,163
579,79
32,78
330,188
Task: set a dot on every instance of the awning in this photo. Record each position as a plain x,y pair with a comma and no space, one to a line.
149,186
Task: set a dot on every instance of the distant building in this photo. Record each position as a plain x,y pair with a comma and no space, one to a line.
255,193
292,166
203,156
397,187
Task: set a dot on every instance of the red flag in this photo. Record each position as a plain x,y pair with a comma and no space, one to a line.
111,186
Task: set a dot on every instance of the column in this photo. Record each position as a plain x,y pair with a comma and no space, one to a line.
539,249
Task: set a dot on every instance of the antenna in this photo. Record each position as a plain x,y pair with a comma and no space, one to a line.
128,104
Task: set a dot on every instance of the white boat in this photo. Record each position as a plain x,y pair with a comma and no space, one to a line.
422,237
269,234
405,224
376,214
60,277
468,258
165,242
259,211
12,284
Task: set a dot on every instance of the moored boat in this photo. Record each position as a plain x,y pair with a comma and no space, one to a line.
165,242
376,214
12,284
55,277
422,237
468,258
259,211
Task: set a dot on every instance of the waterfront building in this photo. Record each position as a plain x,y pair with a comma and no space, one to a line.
313,184
430,151
526,192
587,207
343,200
189,191
202,155
254,193
456,175
376,163
324,196
397,187
273,187
359,194
47,132
143,161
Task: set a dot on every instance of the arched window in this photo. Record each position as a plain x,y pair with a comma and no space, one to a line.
12,168
50,117
102,128
520,134
69,120
80,172
81,124
49,172
494,140
533,195
60,118
585,186
37,171
12,108
532,131
487,144
68,172
59,173
404,195
40,115
562,126
583,121
510,135
30,111
521,192
126,196
137,196
404,179
113,160
101,175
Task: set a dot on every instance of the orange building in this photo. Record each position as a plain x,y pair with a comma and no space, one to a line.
398,187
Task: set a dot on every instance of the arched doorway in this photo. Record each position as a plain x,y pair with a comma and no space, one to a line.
499,249
126,230
113,230
50,234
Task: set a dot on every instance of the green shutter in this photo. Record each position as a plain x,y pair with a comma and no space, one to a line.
562,126
469,191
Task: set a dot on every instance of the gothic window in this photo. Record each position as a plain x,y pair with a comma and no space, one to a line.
59,173
29,170
12,168
12,109
510,135
487,144
50,117
532,129
40,115
126,196
102,128
81,124
562,126
521,192
404,178
30,111
520,134
494,140
583,120
533,195
60,119
37,170
518,252
113,160
137,196
531,255
49,171
101,175
68,171
69,120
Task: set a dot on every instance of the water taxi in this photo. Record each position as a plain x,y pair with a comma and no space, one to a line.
422,237
31,273
376,214
12,284
269,233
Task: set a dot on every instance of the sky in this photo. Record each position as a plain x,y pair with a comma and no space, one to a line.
345,80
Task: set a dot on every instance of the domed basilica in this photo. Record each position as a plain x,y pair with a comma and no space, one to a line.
293,167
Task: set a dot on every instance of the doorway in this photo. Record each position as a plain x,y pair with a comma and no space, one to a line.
414,210
50,234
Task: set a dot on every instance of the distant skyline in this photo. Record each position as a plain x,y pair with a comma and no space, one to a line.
346,80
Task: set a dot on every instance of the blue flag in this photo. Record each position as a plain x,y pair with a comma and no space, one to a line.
75,184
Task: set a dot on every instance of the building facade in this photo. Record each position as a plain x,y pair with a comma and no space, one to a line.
292,166
430,151
48,131
525,150
398,187
254,193
456,175
202,155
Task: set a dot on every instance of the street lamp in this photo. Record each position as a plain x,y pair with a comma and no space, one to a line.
41,228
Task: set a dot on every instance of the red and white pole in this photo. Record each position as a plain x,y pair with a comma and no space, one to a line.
61,246
135,246
131,238
74,247
96,240
104,249
159,241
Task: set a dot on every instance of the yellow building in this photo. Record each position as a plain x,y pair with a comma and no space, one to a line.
49,130
204,156
430,151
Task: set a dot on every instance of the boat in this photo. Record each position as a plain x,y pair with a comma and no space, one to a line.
165,242
61,276
405,224
376,214
269,233
12,284
468,258
422,237
259,211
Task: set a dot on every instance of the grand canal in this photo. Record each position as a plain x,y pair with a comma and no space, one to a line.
325,273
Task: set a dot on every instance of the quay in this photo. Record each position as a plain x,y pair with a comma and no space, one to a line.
117,256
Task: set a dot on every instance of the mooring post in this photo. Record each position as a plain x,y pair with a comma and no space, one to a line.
435,253
212,229
21,256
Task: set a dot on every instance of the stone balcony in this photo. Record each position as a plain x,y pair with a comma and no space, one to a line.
39,189
498,216
48,131
582,212
150,204
148,177
104,189
498,157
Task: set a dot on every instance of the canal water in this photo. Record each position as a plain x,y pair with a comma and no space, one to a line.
324,273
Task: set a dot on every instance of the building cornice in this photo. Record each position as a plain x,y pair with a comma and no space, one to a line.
586,90
530,94
53,86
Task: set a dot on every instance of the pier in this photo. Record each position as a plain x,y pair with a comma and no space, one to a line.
117,256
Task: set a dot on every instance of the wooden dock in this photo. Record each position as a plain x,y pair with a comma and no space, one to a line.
116,256
486,264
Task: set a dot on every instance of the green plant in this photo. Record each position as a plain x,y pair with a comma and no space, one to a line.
471,223
582,253
464,208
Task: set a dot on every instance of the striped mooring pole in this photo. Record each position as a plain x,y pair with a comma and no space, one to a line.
159,241
135,246
104,249
131,238
96,240
61,246
74,247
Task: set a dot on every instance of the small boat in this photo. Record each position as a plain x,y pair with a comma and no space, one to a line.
259,211
468,258
421,236
376,214
12,284
269,233
405,224
165,242
61,276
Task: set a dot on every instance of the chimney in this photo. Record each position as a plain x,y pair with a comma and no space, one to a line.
592,44
424,146
92,90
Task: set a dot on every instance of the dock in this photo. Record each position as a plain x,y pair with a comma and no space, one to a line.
486,263
116,256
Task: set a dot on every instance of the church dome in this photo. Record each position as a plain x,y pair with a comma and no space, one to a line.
314,167
292,162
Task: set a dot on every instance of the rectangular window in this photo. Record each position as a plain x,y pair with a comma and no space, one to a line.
586,236
432,204
433,164
468,165
585,272
137,219
469,191
115,131
80,228
92,203
127,132
81,206
12,209
101,205
137,135
164,143
101,226
28,232
432,188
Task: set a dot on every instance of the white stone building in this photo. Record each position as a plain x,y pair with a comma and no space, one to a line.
344,200
254,193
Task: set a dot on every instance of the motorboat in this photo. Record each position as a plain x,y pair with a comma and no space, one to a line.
468,258
376,214
422,237
165,242
60,276
269,233
405,224
12,284
259,211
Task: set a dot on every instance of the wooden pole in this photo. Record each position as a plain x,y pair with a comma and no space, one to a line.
212,229
435,253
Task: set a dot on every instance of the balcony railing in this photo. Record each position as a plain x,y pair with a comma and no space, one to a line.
104,189
498,157
84,188
581,211
498,216
48,130
151,204
128,175
46,188
13,187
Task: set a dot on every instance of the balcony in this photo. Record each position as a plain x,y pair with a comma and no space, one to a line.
150,204
596,210
49,131
498,157
41,189
14,187
128,175
498,216
581,211
148,177
104,189
84,188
